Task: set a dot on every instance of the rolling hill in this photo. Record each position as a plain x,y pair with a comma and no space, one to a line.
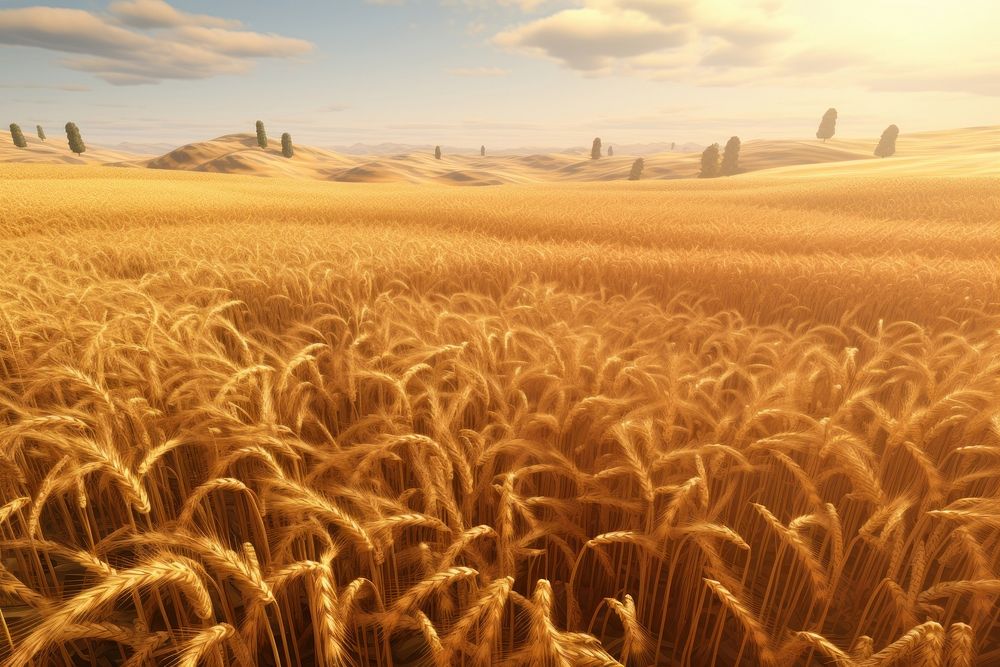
56,151
971,150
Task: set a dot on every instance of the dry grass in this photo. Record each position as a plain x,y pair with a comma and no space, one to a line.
263,421
958,152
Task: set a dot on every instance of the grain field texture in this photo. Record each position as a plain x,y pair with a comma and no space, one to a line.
282,422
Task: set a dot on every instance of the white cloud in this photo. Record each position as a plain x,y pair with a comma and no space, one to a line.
159,14
608,35
590,39
241,43
734,42
143,41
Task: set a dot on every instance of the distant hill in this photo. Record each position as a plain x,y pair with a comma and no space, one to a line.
971,150
240,154
56,151
138,148
385,149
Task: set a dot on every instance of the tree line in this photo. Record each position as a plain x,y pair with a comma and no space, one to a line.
718,162
715,161
73,137
886,146
287,148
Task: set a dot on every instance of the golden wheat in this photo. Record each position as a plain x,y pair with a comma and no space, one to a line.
248,421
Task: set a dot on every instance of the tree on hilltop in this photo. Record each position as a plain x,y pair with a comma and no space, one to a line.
731,157
710,162
611,151
673,145
261,134
286,145
637,168
18,136
887,144
437,152
41,132
595,151
827,126
75,140
482,151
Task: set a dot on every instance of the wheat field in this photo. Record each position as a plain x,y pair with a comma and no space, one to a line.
264,421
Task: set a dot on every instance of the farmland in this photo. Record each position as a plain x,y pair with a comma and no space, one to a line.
293,422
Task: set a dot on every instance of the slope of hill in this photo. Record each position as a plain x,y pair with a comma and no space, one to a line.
388,148
240,154
956,150
56,151
970,151
143,148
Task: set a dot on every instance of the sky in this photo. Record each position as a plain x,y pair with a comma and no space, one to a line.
507,73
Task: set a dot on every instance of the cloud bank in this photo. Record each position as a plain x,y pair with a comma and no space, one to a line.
144,41
779,42
657,38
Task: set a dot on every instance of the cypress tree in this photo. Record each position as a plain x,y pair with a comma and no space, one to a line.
673,145
611,151
286,145
710,162
437,152
887,144
637,168
482,151
261,134
595,151
41,132
75,140
18,136
731,157
827,126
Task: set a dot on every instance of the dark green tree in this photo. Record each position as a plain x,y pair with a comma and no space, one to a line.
673,145
18,136
75,140
611,151
827,126
437,152
482,151
261,134
41,132
595,151
710,162
637,168
286,145
731,157
887,144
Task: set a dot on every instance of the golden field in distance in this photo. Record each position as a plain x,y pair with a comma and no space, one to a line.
964,152
283,421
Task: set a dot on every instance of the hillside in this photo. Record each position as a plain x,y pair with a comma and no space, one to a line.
964,151
240,154
56,151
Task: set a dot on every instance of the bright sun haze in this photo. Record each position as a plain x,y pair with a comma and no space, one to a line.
472,73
